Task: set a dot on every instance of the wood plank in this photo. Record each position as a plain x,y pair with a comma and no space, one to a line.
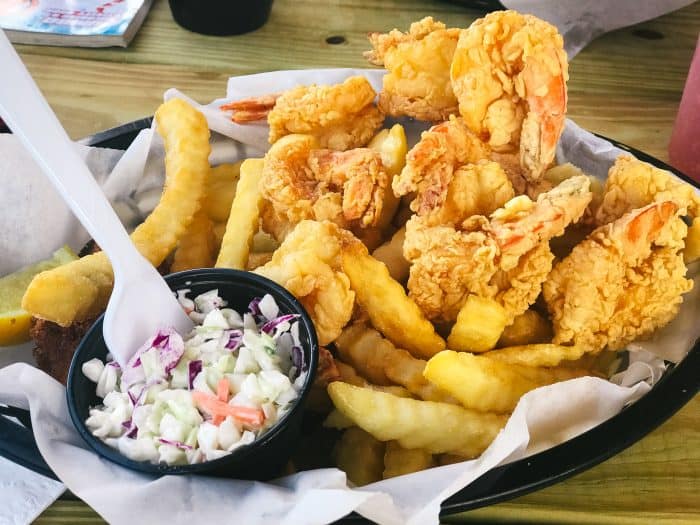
657,478
625,84
612,90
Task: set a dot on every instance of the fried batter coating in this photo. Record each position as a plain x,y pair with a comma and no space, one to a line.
621,283
418,83
431,163
300,181
341,116
509,73
633,184
308,265
506,257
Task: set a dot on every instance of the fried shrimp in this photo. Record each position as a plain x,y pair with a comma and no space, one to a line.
308,265
342,116
431,164
632,184
418,82
509,74
505,257
301,181
621,283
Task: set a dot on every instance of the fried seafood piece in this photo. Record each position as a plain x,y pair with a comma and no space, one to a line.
621,283
505,257
301,181
308,265
633,184
418,82
509,73
432,162
475,189
341,116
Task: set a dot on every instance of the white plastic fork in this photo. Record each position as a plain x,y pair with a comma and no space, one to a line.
141,302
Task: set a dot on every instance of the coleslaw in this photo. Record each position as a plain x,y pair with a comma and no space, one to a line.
184,400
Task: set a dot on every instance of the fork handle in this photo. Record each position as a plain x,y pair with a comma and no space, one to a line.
31,119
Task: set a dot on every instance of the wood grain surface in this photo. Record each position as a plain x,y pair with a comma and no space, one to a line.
626,85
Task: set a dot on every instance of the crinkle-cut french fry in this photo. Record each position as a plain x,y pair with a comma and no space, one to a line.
391,254
526,329
488,385
377,359
349,375
361,456
197,246
547,376
221,188
399,461
536,354
391,311
691,252
243,221
81,289
336,419
479,324
435,427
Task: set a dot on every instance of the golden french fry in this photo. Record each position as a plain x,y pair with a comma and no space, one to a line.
382,363
244,217
435,427
488,385
448,459
197,246
527,328
558,174
394,390
336,419
221,188
547,376
360,456
81,289
391,254
392,146
391,311
536,354
692,242
349,375
399,461
479,324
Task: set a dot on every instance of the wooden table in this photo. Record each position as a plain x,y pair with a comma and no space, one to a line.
626,85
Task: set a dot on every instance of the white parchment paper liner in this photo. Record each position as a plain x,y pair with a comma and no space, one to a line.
580,21
543,418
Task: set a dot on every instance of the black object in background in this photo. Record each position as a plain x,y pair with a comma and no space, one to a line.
221,17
